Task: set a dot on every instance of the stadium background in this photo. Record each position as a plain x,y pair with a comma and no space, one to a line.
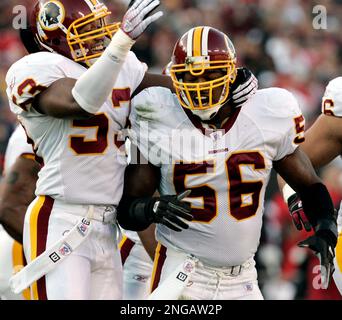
277,41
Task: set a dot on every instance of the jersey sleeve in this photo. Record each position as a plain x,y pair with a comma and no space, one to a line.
287,121
332,98
149,131
17,147
29,76
134,70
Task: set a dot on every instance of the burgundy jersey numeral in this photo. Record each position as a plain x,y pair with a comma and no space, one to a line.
240,189
243,196
299,125
81,145
32,88
208,194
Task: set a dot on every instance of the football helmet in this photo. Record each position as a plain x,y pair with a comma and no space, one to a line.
197,51
77,29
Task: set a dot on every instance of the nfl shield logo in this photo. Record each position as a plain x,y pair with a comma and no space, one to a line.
65,249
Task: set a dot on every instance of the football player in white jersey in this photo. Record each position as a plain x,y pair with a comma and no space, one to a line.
197,142
73,114
323,143
137,255
72,97
18,184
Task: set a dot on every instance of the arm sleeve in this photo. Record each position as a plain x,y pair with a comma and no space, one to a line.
135,70
17,146
292,125
332,98
30,76
144,133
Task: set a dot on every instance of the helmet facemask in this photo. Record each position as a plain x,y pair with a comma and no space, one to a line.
198,96
78,40
64,29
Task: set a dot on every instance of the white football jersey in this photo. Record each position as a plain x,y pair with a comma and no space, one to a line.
16,147
83,160
226,170
332,98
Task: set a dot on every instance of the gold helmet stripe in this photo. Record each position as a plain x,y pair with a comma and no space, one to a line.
197,46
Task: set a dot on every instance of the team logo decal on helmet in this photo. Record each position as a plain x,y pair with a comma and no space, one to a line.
51,15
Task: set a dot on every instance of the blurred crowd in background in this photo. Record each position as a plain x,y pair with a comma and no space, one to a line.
278,41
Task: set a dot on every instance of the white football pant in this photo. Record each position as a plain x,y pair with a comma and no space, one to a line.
92,271
208,283
137,270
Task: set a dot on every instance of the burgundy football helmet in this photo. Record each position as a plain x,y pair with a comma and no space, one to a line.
198,50
76,29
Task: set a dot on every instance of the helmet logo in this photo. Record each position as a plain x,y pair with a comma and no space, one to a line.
51,15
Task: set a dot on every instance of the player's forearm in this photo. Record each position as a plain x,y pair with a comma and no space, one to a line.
133,213
12,219
92,89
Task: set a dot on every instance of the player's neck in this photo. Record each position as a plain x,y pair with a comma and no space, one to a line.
221,117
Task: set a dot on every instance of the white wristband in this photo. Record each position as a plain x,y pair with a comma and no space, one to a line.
119,46
94,86
287,192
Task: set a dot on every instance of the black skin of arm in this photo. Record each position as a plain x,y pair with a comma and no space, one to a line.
299,173
297,170
17,193
57,100
141,181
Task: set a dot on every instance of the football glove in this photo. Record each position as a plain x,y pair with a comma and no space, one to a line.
137,18
169,210
244,86
297,213
323,244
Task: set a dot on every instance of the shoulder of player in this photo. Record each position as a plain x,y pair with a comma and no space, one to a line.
153,103
18,134
273,102
335,84
332,98
38,60
41,58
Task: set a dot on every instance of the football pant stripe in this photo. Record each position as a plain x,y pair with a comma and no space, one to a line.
125,246
18,262
339,252
39,220
158,266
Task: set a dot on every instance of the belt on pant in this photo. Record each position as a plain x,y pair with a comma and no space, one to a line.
230,270
103,213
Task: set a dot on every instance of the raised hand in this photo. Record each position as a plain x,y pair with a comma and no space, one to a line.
137,18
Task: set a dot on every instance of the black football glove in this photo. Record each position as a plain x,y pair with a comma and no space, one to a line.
244,86
323,243
297,213
169,210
